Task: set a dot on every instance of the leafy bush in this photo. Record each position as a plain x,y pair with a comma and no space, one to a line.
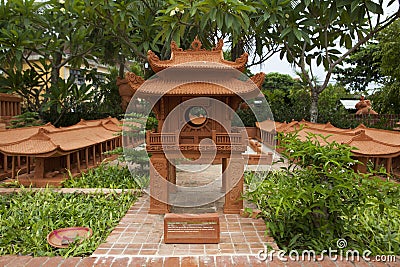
26,119
104,176
27,217
318,199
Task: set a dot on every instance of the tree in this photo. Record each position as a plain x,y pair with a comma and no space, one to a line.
70,33
387,99
128,29
331,110
67,96
288,98
53,33
389,42
275,80
210,20
310,31
377,62
364,68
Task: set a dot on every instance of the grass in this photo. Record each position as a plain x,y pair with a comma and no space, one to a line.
106,176
27,217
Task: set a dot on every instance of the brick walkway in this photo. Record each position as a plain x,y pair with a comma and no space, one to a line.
139,233
15,261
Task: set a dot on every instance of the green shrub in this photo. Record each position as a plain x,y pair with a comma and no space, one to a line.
26,119
27,217
319,199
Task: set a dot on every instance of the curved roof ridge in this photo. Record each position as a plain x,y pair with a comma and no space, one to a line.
48,125
195,53
41,136
105,124
361,126
74,127
360,136
363,136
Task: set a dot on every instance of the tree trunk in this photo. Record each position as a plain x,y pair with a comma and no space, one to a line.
237,50
55,69
54,78
121,70
314,105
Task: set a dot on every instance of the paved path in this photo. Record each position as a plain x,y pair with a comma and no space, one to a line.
181,261
139,233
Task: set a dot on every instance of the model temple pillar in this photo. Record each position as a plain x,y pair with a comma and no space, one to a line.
234,185
159,184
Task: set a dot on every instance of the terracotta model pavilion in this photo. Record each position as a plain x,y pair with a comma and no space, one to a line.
39,153
200,78
381,147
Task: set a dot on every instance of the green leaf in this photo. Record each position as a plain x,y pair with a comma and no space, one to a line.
285,32
374,7
228,21
298,34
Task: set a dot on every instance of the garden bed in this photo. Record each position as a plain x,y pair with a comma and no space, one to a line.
27,217
319,200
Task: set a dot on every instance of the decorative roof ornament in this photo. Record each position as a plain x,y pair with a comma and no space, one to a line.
196,45
175,47
195,54
134,80
219,45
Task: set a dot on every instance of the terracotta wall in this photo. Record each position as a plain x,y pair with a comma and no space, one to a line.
386,120
10,106
252,132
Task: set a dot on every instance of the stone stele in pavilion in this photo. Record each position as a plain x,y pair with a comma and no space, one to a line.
195,95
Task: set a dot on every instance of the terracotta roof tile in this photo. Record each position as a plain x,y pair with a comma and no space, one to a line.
14,135
29,147
368,142
175,87
48,140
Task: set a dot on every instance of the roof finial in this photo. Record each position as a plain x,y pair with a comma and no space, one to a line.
196,44
175,47
219,45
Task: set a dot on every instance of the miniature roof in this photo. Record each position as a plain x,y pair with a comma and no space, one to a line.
10,97
367,142
227,87
196,53
47,140
197,72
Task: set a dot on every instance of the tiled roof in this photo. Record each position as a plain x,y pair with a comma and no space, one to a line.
48,140
196,53
366,141
230,86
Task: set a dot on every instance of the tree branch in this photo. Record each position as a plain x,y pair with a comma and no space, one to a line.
63,63
378,28
328,58
266,56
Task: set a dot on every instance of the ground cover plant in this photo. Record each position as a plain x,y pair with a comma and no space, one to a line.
105,176
319,199
27,217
